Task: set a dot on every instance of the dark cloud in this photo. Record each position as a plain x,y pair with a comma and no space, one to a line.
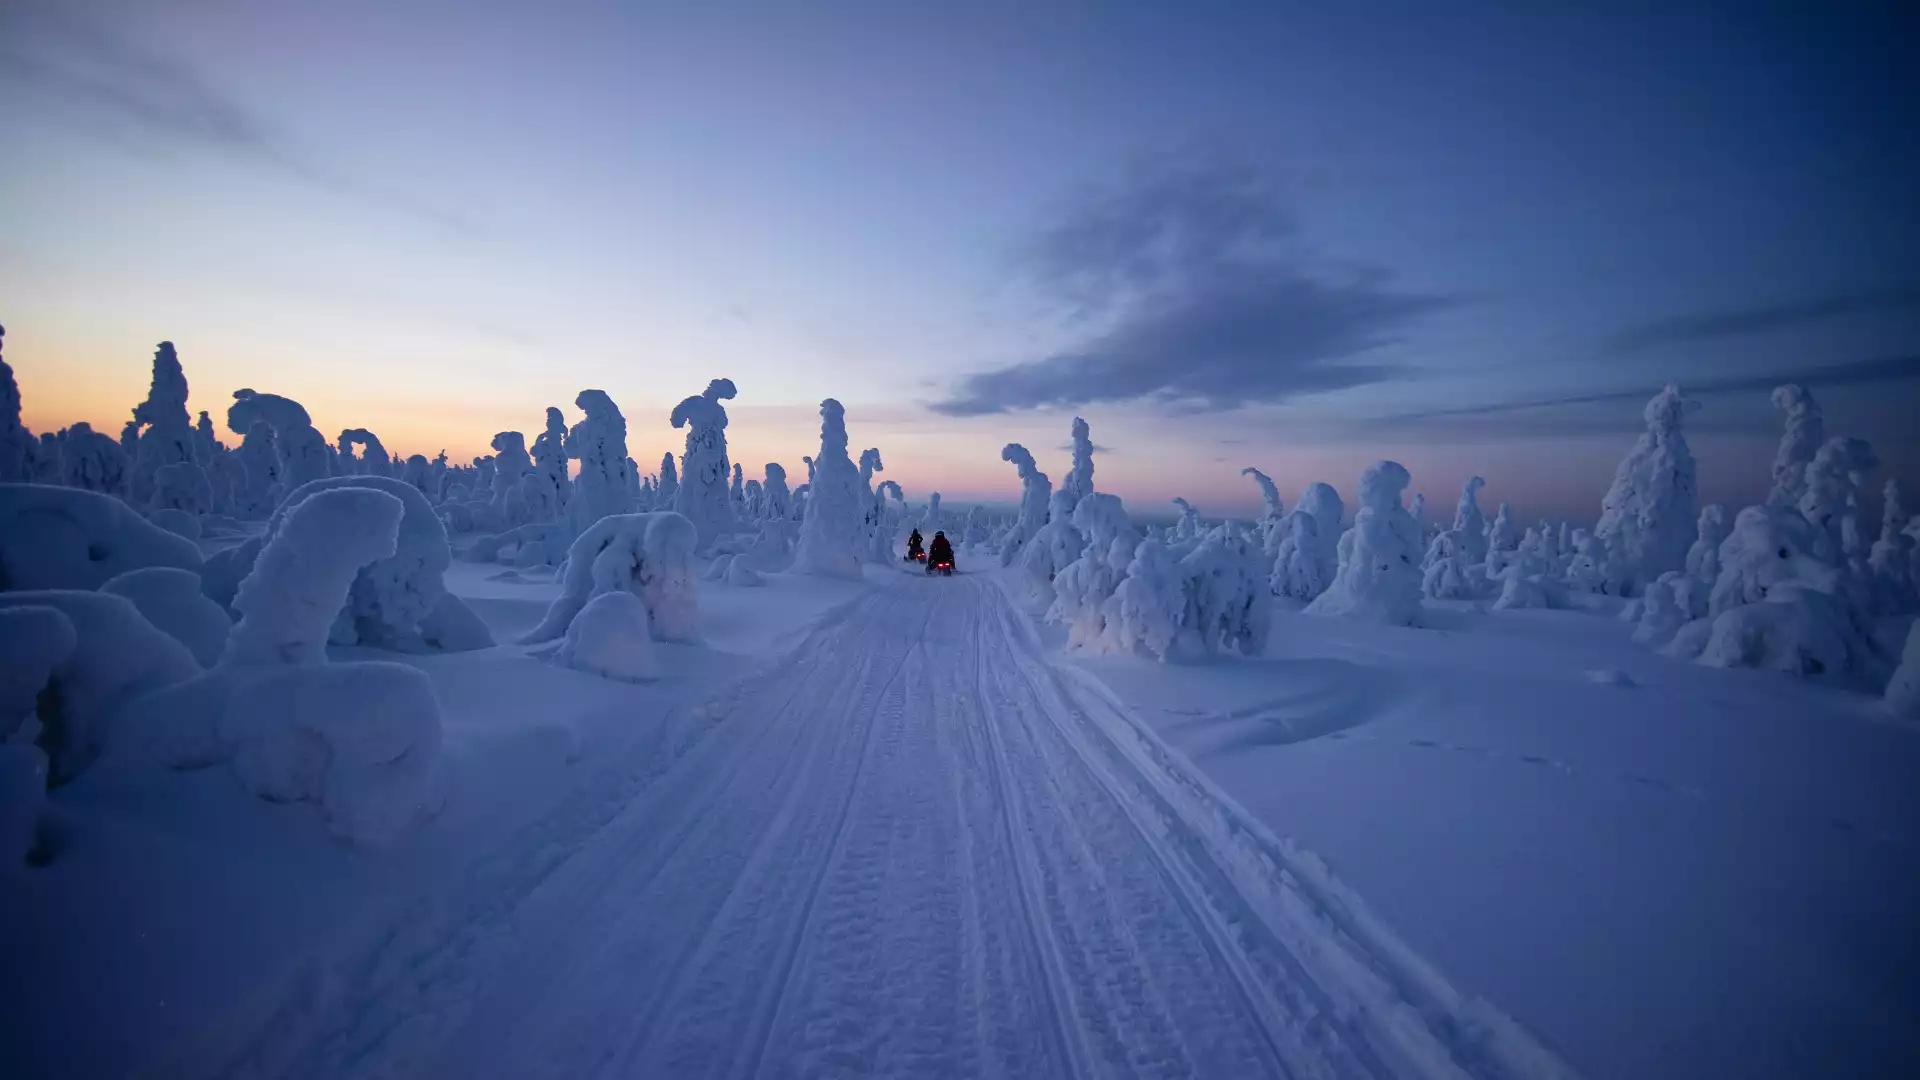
1708,326
121,86
1207,307
1097,448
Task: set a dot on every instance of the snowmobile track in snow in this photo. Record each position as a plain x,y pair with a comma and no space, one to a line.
914,847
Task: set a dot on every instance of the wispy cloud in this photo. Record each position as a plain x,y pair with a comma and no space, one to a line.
1562,414
1205,305
122,87
1738,322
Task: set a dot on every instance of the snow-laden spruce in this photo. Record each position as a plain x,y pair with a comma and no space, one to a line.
1832,496
1903,690
303,453
1502,537
832,535
67,538
1188,529
1228,605
1378,577
372,461
1469,522
649,555
94,462
1647,517
776,500
1445,572
1274,513
704,496
511,466
550,466
1036,495
1890,562
1083,590
14,437
1056,545
260,462
1806,431
599,443
1703,558
668,487
165,428
1079,482
183,486
1307,557
1145,613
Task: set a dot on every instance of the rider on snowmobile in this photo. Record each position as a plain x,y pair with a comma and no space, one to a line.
914,550
941,553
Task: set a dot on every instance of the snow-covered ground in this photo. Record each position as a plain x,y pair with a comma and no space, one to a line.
180,906
1662,870
886,827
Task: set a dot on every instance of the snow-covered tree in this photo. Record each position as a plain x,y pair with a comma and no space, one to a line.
182,485
550,462
1228,604
1890,563
260,461
373,462
779,503
1378,578
1188,529
206,442
165,428
1703,558
1832,495
1079,483
1307,557
1502,536
1903,690
1274,514
1057,544
1445,571
703,496
46,464
1084,589
599,443
304,456
1647,517
95,462
1806,431
832,533
1469,522
64,538
649,555
668,488
1148,604
1036,493
1418,508
1589,571
13,436
511,465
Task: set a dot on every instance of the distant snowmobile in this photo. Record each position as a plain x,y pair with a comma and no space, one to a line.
915,553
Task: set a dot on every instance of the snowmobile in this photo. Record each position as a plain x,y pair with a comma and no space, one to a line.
940,556
915,553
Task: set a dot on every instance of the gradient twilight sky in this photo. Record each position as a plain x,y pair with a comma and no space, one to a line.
1264,234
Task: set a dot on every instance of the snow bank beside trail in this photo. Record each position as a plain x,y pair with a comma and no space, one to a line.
66,538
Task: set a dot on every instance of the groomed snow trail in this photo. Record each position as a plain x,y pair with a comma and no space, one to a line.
913,848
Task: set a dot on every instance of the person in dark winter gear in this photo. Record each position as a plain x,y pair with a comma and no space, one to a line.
940,554
914,550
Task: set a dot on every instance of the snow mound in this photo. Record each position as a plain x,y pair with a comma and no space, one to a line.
649,555
360,740
23,791
118,656
66,538
392,594
610,637
740,572
178,522
170,599
295,588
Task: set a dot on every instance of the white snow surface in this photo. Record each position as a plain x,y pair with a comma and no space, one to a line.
878,827
67,538
611,638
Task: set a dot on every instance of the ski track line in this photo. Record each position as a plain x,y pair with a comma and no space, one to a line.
914,846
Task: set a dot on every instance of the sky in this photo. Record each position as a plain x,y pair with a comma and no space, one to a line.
1470,237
